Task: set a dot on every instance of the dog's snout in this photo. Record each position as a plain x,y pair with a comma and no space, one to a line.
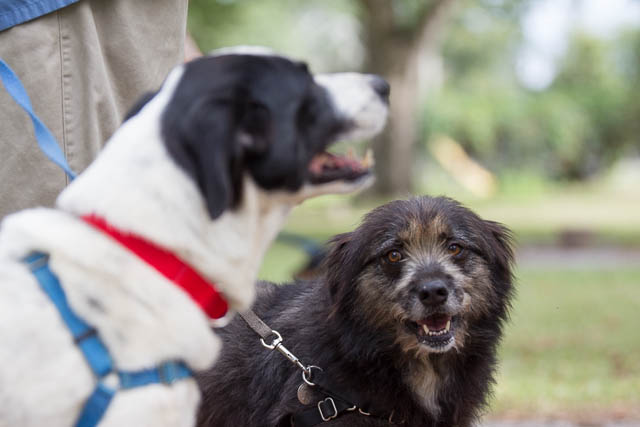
381,87
433,292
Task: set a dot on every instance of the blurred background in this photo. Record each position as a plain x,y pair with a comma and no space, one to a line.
527,111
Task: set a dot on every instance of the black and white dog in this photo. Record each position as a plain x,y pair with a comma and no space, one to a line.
204,172
404,323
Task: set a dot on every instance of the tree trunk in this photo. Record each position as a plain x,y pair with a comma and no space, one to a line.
395,53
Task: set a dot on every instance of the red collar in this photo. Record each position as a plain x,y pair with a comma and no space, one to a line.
170,266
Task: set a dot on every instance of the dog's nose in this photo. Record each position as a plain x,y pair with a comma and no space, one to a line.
381,87
433,292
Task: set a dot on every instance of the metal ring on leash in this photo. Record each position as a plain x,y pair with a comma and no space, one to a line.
306,371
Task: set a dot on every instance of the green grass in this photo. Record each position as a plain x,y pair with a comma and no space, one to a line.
573,345
281,262
611,216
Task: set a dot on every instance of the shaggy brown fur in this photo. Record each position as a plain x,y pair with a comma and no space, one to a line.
408,315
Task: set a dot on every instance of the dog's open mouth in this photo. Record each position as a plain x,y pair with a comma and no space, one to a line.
435,331
327,167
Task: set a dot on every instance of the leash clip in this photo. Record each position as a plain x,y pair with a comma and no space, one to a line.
277,345
276,341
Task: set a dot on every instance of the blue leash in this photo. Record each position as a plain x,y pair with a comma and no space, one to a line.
45,139
95,352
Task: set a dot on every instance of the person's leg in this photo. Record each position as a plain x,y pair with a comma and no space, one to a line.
27,177
113,51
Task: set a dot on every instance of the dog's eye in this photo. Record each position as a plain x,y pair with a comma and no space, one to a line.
394,256
454,249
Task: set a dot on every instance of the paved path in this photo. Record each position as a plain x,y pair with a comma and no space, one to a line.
544,423
586,258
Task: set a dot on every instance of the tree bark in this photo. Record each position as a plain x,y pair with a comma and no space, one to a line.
395,51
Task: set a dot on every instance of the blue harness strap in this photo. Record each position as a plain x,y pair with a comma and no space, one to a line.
94,350
95,406
84,335
166,373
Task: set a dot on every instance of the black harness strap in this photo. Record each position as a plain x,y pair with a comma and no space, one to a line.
326,410
338,402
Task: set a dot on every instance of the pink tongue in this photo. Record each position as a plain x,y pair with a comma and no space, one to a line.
437,322
330,161
316,164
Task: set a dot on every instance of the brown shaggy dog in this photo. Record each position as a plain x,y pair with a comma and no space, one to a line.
405,323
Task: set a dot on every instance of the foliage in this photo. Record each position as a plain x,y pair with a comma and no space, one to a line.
283,25
586,119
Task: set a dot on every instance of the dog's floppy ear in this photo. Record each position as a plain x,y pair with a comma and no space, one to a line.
253,123
212,137
341,265
500,248
202,140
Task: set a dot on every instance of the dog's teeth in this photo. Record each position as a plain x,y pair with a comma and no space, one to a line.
425,329
350,153
446,328
368,160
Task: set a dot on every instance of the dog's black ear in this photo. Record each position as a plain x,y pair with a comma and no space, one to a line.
202,140
341,265
211,141
253,127
500,248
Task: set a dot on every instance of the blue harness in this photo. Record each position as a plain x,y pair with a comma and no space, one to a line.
85,336
95,352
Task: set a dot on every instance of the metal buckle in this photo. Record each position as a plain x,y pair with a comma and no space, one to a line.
36,260
90,332
167,373
333,405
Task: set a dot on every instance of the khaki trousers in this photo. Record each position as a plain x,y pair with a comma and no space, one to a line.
83,67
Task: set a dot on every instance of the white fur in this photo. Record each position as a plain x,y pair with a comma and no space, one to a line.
355,99
424,382
142,318
352,94
244,50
